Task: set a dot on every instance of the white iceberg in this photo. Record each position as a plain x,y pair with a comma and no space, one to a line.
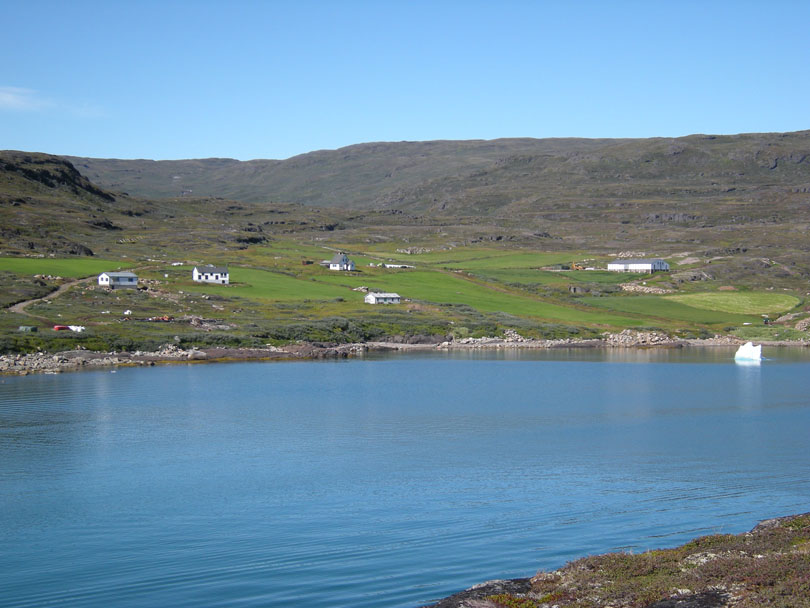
749,352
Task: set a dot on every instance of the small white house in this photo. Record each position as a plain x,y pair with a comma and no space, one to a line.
340,261
382,298
210,274
118,280
638,265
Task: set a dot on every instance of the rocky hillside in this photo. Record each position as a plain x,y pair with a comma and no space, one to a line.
48,207
499,177
356,176
40,195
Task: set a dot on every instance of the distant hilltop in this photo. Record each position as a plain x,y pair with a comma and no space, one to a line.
486,177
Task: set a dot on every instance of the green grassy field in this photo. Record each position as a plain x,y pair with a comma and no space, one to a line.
712,308
273,296
664,312
449,288
750,303
258,284
482,258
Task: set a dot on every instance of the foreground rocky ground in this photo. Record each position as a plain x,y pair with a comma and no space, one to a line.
768,566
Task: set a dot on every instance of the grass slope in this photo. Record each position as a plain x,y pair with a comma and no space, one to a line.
740,303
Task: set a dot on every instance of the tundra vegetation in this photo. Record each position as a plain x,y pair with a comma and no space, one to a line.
493,232
765,567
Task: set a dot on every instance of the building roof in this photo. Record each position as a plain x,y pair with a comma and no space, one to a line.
382,294
637,261
339,258
121,275
212,269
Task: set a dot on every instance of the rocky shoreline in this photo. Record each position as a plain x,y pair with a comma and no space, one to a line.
767,566
73,360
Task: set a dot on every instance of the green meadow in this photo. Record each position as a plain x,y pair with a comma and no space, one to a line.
256,284
480,258
751,303
450,288
714,308
274,295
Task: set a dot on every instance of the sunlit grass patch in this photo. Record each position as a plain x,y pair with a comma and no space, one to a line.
750,303
256,284
667,309
449,288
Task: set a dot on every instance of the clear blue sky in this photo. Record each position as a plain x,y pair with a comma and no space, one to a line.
272,79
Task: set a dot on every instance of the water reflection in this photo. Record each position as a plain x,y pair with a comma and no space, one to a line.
749,384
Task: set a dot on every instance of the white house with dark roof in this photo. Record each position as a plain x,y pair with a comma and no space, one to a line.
379,297
211,274
340,261
118,280
638,265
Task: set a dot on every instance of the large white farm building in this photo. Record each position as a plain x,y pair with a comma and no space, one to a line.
377,297
638,265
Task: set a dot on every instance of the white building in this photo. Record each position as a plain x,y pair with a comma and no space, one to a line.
210,274
638,265
118,280
340,261
382,298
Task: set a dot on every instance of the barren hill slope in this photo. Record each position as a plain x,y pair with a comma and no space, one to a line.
487,177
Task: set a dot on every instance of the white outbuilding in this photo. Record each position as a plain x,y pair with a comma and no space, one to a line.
118,280
638,265
211,274
379,297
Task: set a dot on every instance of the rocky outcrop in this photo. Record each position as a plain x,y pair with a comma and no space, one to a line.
636,288
517,341
630,337
324,350
55,363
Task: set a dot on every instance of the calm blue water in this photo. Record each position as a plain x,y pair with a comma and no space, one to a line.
384,482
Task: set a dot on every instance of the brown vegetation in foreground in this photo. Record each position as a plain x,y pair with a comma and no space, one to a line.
768,566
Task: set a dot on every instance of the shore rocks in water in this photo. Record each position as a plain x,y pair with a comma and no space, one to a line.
79,359
512,339
50,363
475,596
320,350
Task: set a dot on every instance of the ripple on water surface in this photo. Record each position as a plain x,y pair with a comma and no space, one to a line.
384,482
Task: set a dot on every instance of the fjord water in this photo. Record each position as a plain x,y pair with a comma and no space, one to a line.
382,482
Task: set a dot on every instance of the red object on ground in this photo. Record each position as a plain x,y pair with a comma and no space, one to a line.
60,328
